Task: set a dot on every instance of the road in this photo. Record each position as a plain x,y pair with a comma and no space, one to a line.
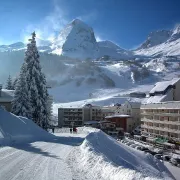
38,160
173,169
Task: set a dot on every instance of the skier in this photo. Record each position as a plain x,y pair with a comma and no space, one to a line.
70,130
53,130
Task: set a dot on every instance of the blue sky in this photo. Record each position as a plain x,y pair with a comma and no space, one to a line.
125,22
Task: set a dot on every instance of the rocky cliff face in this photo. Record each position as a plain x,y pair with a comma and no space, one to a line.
156,38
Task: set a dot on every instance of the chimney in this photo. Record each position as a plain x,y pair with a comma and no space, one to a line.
0,89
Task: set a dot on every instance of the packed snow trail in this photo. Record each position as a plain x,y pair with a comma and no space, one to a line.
71,157
38,160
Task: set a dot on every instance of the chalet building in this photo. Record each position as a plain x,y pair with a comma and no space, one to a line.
132,109
6,97
123,122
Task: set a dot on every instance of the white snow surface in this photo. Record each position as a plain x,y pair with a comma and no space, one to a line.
165,49
161,86
101,157
18,129
88,155
76,40
155,38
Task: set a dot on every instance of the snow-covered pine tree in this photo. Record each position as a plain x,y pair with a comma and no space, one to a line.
21,103
36,85
9,84
14,83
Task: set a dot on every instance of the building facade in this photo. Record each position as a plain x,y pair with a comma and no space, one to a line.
161,120
132,109
78,115
122,122
6,97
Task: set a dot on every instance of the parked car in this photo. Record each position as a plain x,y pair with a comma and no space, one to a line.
138,148
159,151
124,141
150,152
129,143
175,161
166,157
144,148
158,156
133,145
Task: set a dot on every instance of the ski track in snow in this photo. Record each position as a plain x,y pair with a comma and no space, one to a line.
65,157
24,162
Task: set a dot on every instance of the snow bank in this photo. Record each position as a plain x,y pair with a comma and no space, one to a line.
101,157
19,129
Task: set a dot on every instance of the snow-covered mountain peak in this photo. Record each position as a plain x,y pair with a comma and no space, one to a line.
78,22
176,29
175,34
17,45
77,40
12,47
109,44
156,38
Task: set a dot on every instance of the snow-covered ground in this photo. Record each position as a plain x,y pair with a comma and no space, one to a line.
88,155
98,158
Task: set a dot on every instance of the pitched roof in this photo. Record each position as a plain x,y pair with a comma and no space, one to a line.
161,86
118,115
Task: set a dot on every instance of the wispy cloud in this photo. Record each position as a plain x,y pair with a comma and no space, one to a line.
98,38
47,28
90,17
135,46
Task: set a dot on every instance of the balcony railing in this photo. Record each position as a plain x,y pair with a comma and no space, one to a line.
160,122
161,114
161,128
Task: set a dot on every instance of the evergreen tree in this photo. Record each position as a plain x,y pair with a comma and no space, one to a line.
20,104
9,84
36,83
14,83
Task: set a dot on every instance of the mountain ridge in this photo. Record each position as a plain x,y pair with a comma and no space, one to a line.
77,40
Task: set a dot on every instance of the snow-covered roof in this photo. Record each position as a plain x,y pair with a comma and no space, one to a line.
154,99
118,115
161,86
91,122
6,95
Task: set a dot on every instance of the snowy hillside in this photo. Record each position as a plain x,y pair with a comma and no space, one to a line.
161,43
156,38
112,50
19,129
